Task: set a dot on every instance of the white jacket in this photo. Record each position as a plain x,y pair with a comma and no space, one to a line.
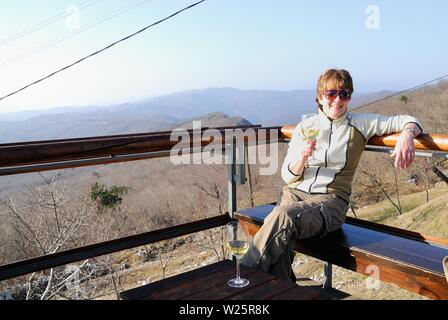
339,146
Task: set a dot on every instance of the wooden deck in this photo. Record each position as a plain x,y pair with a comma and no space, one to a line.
210,283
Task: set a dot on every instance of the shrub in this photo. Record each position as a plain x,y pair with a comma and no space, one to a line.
107,197
404,99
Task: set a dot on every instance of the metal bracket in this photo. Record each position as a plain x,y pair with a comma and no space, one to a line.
236,172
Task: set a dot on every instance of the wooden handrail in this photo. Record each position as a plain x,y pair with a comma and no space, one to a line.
41,152
106,149
35,156
425,141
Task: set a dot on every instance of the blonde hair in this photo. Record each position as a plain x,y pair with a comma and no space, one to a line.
333,79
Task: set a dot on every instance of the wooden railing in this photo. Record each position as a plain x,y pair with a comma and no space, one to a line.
34,156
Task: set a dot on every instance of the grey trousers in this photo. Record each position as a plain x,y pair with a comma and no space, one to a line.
297,215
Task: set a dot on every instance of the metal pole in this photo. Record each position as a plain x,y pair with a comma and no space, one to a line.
231,173
241,172
328,273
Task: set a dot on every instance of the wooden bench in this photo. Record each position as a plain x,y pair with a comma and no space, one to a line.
405,258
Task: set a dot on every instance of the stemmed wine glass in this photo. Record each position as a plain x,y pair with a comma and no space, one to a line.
237,243
310,129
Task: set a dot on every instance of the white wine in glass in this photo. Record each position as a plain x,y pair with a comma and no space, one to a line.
237,247
310,134
309,128
237,243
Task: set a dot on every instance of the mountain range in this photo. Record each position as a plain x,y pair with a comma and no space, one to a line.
216,106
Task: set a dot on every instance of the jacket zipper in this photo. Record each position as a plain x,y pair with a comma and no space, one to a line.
326,154
315,179
329,143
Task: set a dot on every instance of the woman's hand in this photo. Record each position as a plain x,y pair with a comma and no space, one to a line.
309,149
404,151
301,163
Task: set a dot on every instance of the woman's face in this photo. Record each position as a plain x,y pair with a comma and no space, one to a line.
335,102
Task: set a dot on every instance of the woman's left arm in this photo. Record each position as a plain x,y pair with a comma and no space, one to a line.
404,151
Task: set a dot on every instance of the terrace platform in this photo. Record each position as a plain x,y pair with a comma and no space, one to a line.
210,283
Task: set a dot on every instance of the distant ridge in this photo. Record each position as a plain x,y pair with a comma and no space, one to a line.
77,125
222,107
216,119
266,107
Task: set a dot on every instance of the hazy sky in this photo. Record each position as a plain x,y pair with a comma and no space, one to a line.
246,44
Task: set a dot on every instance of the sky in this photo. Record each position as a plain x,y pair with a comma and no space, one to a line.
245,44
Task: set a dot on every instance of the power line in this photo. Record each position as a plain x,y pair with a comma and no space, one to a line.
45,23
401,92
70,34
101,50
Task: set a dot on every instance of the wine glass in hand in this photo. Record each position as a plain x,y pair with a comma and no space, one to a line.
237,243
310,129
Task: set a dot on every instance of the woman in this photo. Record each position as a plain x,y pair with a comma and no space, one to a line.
315,199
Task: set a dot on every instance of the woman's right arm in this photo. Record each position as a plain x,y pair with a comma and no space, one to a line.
297,156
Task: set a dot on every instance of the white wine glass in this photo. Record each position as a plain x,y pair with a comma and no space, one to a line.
310,129
237,243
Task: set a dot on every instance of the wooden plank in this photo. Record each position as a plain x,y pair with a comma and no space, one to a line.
418,253
408,277
41,152
327,293
299,293
435,141
210,283
222,291
140,293
204,281
335,294
397,231
257,214
265,291
78,163
124,135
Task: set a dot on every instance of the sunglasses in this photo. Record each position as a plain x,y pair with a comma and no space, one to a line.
343,94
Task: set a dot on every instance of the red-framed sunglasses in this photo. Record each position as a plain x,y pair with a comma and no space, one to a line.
345,95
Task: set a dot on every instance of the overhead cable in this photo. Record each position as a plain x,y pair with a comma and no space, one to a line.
72,33
99,51
45,23
401,92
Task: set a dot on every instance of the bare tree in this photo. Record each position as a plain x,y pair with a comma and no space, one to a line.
166,254
215,237
426,173
47,222
377,181
396,185
441,170
252,180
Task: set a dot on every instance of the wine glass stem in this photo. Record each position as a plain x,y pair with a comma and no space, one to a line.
238,268
312,154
